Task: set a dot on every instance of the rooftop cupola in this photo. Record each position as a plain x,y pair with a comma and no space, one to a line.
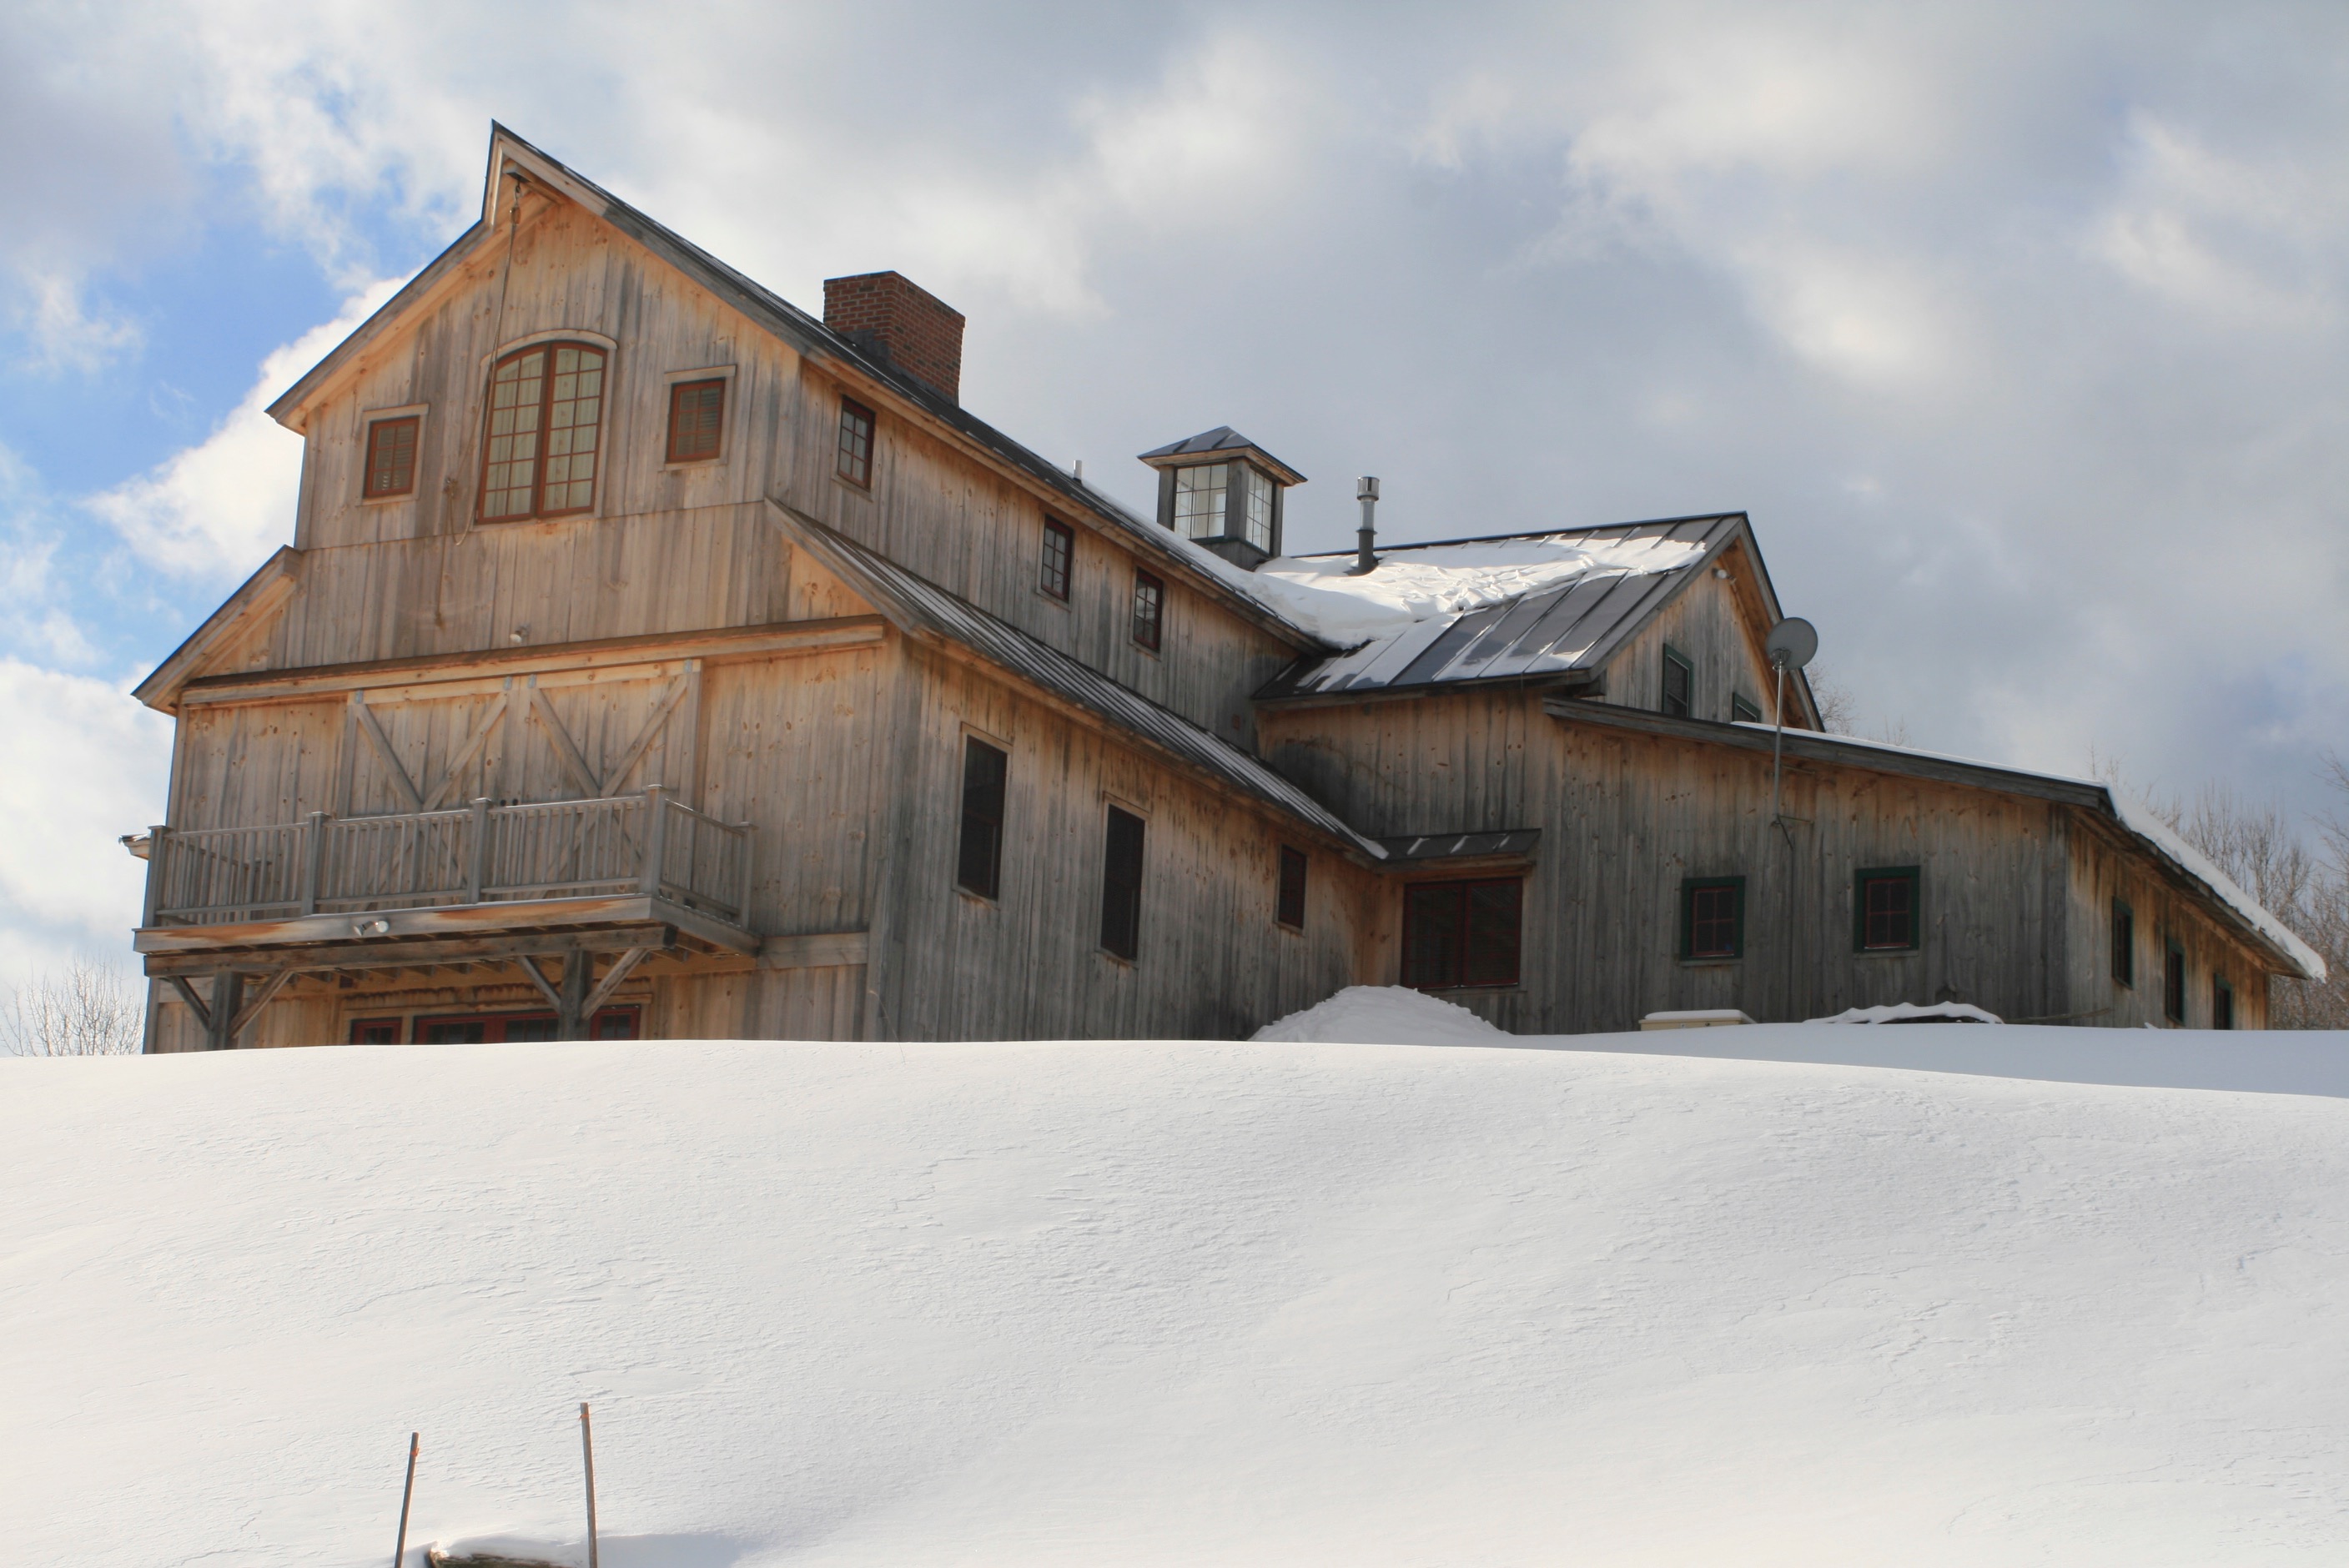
1224,491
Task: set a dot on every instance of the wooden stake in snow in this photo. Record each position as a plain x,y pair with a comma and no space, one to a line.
406,1493
588,1451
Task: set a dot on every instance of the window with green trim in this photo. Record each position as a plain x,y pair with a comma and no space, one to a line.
1743,709
1680,684
1886,916
1712,917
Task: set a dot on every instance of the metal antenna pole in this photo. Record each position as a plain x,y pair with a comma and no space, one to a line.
1778,737
588,1451
406,1493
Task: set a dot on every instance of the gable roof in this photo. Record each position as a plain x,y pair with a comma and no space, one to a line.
1592,589
805,333
254,598
1222,439
920,605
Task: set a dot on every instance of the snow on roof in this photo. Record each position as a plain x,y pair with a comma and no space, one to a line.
2142,820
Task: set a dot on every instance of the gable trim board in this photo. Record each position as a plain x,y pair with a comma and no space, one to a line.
921,608
905,397
2229,903
258,597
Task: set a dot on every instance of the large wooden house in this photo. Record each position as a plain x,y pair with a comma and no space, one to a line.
653,659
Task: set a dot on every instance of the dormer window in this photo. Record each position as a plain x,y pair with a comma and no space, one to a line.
1225,491
546,406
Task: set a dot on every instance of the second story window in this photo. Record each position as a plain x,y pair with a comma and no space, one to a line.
1149,609
1199,497
1680,684
1059,554
696,412
855,464
546,404
390,458
1743,709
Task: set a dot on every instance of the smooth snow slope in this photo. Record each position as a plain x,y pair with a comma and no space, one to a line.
1166,1303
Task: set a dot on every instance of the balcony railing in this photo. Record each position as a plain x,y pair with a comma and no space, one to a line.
484,853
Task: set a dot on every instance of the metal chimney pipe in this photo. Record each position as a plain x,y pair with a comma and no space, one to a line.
1366,491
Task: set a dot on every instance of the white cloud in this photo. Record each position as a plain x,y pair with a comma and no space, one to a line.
85,764
221,506
63,330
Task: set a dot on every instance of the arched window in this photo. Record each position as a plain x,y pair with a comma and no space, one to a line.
545,404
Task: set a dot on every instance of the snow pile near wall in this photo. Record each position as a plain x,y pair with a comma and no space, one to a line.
1162,1303
1385,1015
1914,1012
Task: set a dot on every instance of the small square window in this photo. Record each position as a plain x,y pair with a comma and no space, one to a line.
1712,917
1743,709
1885,915
2124,944
2222,1004
1290,908
1060,552
1149,609
855,463
2173,983
1680,684
696,412
391,457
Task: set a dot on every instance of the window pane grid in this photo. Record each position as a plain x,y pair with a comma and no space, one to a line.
1260,508
855,462
1713,910
390,458
696,409
1199,498
1888,911
1149,609
1462,933
546,406
1059,546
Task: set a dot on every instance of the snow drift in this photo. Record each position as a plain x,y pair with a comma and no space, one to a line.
1167,1304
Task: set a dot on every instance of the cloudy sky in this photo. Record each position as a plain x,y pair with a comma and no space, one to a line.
2020,330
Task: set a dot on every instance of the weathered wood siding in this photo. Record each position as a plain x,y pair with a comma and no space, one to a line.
674,547
1718,626
2102,869
1214,962
2010,920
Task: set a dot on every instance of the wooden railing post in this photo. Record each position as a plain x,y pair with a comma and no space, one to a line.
745,847
477,867
656,839
312,861
158,871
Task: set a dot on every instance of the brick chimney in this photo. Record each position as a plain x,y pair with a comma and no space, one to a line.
908,328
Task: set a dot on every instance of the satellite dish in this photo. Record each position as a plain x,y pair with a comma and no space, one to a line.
1792,642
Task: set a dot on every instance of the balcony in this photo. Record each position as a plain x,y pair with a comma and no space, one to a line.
378,890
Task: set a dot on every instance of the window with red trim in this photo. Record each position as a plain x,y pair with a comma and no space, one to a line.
390,458
546,409
1462,933
514,1029
1149,609
696,412
855,462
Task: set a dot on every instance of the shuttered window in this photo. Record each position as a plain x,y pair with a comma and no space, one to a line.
1290,907
1120,921
1712,917
1885,910
1680,685
697,413
1461,933
1149,609
855,462
390,458
546,409
980,864
1059,554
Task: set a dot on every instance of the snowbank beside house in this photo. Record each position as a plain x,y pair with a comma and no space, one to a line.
1168,1304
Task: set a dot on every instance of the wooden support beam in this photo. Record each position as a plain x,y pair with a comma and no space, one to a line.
252,1008
621,968
356,957
553,998
195,1003
372,727
543,711
571,1008
228,998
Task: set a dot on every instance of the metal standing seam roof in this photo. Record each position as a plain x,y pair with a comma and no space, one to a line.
1577,625
931,607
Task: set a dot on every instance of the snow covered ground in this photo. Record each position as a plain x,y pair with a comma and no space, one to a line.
1277,1301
